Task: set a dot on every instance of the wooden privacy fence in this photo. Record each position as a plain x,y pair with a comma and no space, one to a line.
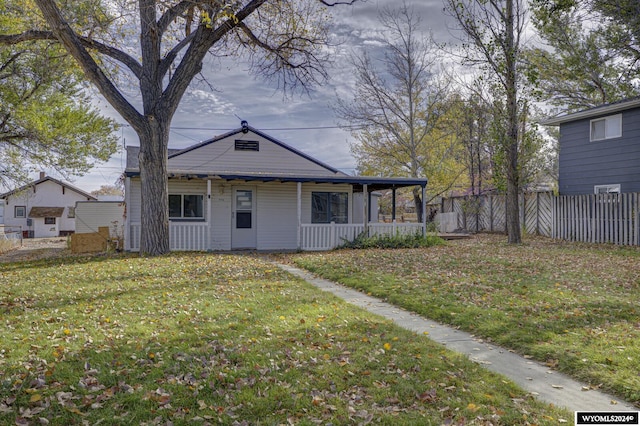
596,218
487,213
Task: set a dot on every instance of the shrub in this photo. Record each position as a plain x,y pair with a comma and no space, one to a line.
363,241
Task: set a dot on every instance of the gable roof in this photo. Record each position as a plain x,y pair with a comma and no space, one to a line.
259,133
132,151
600,110
44,179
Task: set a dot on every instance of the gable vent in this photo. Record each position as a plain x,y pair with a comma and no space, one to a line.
247,146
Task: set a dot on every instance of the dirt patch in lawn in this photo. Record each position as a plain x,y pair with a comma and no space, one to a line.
36,248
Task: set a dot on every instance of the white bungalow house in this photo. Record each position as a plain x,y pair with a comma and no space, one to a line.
43,208
247,190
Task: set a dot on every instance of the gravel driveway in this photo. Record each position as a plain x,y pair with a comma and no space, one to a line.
36,248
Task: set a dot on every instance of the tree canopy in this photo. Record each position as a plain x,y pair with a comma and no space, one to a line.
284,41
47,119
587,61
398,107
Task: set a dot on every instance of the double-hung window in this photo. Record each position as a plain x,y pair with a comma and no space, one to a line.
186,206
606,128
327,207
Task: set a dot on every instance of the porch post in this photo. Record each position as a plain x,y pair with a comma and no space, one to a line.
365,207
209,238
299,204
127,219
393,204
424,210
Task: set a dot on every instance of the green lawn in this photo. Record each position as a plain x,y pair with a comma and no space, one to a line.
221,339
573,306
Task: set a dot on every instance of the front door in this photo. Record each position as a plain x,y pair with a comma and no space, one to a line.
243,221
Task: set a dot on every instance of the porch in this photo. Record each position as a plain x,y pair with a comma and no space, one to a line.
312,236
272,212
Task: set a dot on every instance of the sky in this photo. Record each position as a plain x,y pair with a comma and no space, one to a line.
306,122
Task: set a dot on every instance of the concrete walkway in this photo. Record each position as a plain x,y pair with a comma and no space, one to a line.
546,384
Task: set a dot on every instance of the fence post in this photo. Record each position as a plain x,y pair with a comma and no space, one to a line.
538,214
491,213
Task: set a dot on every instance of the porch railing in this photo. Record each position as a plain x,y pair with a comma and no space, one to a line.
182,236
316,237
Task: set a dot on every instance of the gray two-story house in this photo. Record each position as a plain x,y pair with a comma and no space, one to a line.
599,149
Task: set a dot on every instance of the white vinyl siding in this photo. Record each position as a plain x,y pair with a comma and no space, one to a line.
276,209
277,216
221,199
606,128
91,215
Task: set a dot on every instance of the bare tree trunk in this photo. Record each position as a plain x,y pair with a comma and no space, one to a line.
513,187
154,238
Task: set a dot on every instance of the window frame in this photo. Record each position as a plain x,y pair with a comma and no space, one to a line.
15,212
182,216
49,220
606,120
330,216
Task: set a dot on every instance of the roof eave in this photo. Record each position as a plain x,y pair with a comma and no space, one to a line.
591,113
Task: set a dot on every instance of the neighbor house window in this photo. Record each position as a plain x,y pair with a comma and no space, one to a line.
49,220
71,213
186,206
607,189
606,128
20,211
327,207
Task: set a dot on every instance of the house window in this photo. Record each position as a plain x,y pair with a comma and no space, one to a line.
71,212
606,128
327,207
607,189
49,220
186,206
20,211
